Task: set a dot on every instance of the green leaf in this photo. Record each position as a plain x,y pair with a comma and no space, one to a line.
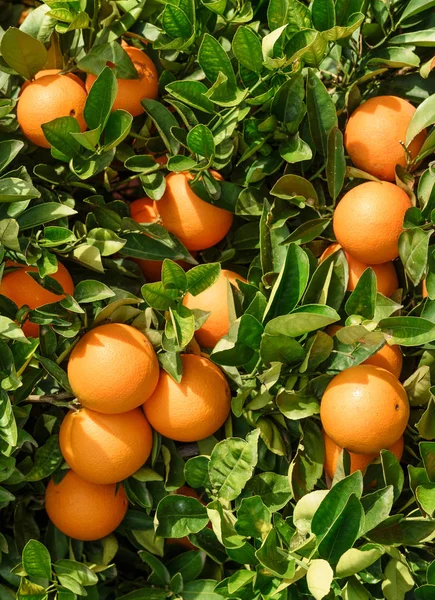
159,297
297,405
357,559
343,532
322,116
30,591
105,240
394,58
213,60
177,516
44,213
57,133
117,128
426,424
319,578
232,463
377,507
200,140
188,564
202,277
303,320
173,276
91,290
22,52
9,231
362,300
160,573
37,560
100,55
8,426
100,99
274,558
176,23
427,451
323,14
76,571
164,120
423,117
423,38
192,93
288,104
307,466
414,7
13,189
246,47
273,489
398,580
253,518
201,589
408,331
47,458
9,149
10,330
392,472
55,371
413,249
179,329
277,13
335,162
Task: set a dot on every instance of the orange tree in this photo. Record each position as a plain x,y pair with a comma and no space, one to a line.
230,118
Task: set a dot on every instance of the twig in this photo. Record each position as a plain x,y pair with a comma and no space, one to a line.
61,397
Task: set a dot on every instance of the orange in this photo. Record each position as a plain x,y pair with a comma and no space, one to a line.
83,510
388,357
145,210
424,289
194,408
132,91
374,132
23,289
196,223
369,220
113,369
215,300
386,276
105,448
364,409
45,72
46,98
358,462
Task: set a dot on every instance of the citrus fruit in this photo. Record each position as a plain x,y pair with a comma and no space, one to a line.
113,368
364,409
22,289
83,510
386,276
194,408
105,448
196,223
388,357
46,98
45,72
358,462
215,300
368,221
132,91
145,210
374,132
424,289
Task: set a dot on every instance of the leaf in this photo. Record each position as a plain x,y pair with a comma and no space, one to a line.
377,507
307,466
202,277
192,93
100,54
408,331
303,320
394,58
277,13
164,120
43,213
273,489
177,516
57,133
426,424
213,60
13,189
100,99
335,162
414,7
160,573
362,300
398,580
55,371
322,116
9,231
200,140
188,564
413,249
76,571
22,52
37,560
274,559
427,451
30,591
319,578
117,128
392,472
247,49
423,117
323,15
9,149
176,23
231,465
159,297
47,458
355,560
253,518
201,589
90,290
426,37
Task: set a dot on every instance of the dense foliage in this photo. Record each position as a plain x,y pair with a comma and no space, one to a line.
259,91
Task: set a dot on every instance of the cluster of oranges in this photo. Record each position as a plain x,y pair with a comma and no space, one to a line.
369,218
365,408
114,373
52,95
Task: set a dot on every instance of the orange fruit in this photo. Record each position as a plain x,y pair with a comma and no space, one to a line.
46,98
45,72
113,369
215,300
105,448
388,357
23,289
194,408
196,223
358,462
132,91
364,409
145,210
368,221
386,276
374,132
83,510
424,289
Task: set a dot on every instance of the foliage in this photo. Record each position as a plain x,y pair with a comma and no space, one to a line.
259,91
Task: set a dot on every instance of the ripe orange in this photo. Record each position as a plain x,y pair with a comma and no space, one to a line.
45,72
194,408
215,300
132,91
364,409
358,462
83,510
46,98
105,448
196,223
374,132
145,210
113,369
386,276
23,289
369,220
424,289
388,357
